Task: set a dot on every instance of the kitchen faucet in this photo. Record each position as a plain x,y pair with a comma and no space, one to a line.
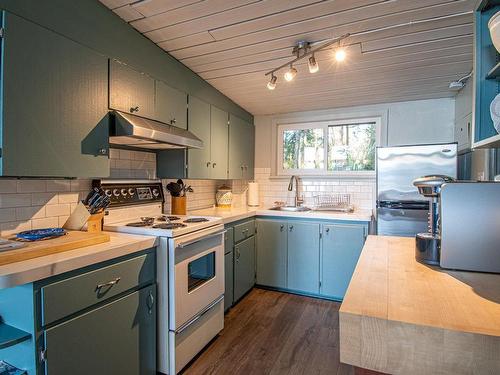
298,200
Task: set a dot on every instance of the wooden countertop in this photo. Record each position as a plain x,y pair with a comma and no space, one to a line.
31,270
403,317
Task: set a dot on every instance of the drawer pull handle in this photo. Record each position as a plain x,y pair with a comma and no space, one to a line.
282,227
109,283
150,302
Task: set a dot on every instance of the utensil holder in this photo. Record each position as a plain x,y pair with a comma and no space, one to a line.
178,206
94,223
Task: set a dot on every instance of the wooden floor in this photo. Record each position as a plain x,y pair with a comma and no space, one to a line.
275,333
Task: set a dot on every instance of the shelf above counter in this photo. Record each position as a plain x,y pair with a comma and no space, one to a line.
11,335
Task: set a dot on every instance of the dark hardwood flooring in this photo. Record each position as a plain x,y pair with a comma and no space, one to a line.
273,333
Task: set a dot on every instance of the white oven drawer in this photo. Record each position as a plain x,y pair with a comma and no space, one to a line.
198,275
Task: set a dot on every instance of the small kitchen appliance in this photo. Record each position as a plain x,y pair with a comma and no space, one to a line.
428,244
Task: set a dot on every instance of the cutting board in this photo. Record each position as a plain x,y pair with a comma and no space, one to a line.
72,240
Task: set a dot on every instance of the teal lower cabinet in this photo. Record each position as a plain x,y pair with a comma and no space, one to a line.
272,239
118,337
244,267
303,257
309,257
342,245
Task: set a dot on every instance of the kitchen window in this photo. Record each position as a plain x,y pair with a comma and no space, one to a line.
328,147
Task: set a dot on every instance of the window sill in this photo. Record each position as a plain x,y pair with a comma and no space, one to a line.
339,176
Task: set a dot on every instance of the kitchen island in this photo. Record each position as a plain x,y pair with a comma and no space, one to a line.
402,317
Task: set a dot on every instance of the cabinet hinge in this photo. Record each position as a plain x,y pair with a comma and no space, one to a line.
320,236
320,284
2,32
43,355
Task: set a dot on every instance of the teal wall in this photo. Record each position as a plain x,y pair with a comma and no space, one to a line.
92,24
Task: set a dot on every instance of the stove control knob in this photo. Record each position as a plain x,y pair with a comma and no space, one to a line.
156,193
124,192
108,192
131,191
116,192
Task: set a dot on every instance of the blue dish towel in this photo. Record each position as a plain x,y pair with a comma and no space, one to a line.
7,369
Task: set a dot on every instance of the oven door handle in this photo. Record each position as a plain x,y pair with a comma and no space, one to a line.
185,244
198,317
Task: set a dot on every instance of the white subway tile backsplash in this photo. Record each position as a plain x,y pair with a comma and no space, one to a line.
58,185
7,214
58,209
39,199
27,213
46,222
15,200
31,186
10,228
8,186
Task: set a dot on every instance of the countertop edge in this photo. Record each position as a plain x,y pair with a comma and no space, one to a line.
40,268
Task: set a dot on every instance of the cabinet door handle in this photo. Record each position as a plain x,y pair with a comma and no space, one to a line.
327,230
134,109
208,164
282,227
237,254
109,283
150,302
102,151
213,165
468,132
242,167
173,121
291,228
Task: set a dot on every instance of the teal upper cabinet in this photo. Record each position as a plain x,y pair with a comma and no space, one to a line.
218,143
199,124
303,257
54,99
170,105
271,252
210,125
131,91
342,245
241,148
486,76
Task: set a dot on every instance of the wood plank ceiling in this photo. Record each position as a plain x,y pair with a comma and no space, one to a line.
398,50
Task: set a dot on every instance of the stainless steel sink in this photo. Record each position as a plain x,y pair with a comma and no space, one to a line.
291,208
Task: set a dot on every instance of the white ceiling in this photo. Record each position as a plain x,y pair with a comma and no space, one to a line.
398,50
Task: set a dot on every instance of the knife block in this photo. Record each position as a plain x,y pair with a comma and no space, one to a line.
94,223
178,206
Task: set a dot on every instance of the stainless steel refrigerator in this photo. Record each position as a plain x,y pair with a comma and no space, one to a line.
401,210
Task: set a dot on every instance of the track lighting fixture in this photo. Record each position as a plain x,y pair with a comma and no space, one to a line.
302,50
313,64
340,54
271,85
290,73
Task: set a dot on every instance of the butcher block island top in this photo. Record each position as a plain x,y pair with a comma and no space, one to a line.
403,317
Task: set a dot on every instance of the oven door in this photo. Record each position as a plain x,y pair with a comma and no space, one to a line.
198,277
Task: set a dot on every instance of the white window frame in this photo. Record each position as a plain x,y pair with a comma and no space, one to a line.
282,127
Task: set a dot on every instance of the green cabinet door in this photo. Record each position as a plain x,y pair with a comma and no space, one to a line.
119,337
199,124
271,252
218,143
342,245
55,93
131,91
244,267
170,105
303,257
237,130
248,151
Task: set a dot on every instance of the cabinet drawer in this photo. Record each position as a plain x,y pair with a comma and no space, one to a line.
244,230
71,295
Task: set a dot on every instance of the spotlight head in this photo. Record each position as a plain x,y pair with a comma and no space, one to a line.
290,74
271,85
313,64
340,54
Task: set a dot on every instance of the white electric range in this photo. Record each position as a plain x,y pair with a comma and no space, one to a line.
190,268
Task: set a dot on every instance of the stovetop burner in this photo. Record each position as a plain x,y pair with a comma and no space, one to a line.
165,218
195,220
169,226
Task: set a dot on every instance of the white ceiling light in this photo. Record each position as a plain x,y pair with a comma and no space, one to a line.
290,73
340,54
271,85
313,64
301,50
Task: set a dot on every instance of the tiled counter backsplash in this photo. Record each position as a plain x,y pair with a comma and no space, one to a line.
36,203
362,191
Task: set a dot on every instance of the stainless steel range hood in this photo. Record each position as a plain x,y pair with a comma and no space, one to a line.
134,131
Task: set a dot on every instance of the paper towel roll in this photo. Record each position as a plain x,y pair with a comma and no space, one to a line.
253,194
